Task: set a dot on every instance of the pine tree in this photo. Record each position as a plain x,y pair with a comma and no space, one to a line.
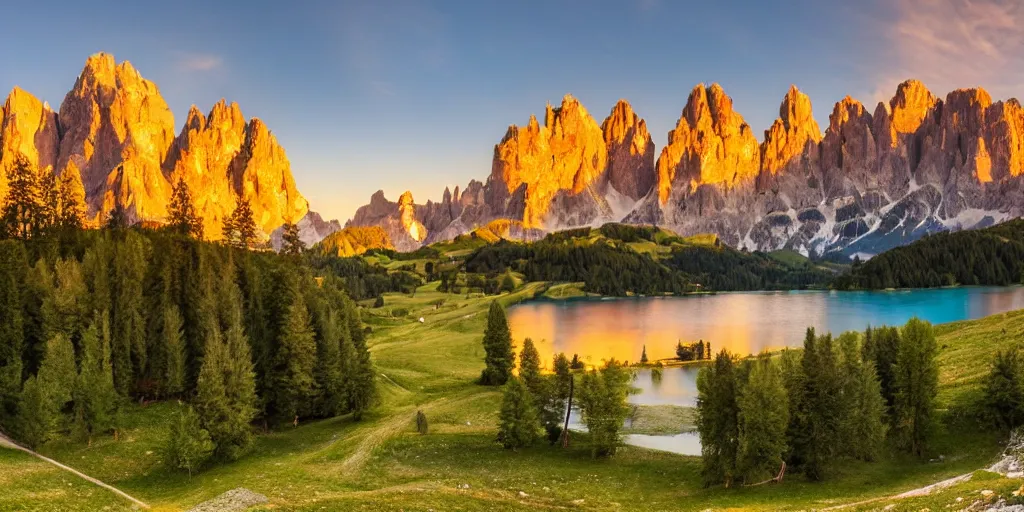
362,391
1004,389
500,357
45,395
863,407
602,403
13,268
291,244
291,378
239,229
240,385
518,425
174,348
529,368
189,445
72,198
49,200
35,414
916,382
21,206
718,420
818,438
127,318
182,216
69,297
763,417
95,397
57,373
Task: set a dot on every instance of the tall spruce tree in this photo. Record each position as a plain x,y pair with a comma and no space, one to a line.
916,382
174,374
291,378
182,216
818,439
127,318
718,420
49,201
863,417
95,397
763,417
13,269
361,390
529,368
35,414
291,243
518,426
239,230
72,198
21,206
1004,389
603,405
500,355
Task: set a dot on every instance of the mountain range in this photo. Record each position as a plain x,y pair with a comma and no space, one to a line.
873,180
116,131
869,181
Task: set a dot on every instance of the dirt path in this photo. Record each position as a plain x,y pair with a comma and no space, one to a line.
8,443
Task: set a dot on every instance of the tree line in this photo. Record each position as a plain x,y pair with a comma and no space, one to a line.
93,319
534,405
810,408
990,256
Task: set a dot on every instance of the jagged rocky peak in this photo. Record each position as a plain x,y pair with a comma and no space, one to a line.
567,153
28,128
116,128
793,136
710,145
1006,127
910,106
630,152
407,215
202,155
260,166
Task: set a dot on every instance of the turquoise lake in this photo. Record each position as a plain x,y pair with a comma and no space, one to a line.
743,322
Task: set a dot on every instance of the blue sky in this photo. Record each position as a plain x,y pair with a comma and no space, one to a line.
413,94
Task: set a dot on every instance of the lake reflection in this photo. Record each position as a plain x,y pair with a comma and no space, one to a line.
745,323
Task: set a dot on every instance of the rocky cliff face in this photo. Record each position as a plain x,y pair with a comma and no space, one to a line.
570,171
116,130
874,179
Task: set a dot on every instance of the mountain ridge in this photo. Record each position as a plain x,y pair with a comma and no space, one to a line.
867,182
115,129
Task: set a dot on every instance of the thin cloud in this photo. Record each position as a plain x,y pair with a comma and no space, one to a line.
199,62
949,44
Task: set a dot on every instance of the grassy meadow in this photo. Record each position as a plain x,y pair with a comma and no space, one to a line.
381,463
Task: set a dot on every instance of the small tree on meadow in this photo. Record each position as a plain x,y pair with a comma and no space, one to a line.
500,357
421,422
188,445
916,379
602,402
1004,389
763,414
518,425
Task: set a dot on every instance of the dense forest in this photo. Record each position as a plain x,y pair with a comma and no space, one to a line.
609,266
990,256
93,318
726,269
606,268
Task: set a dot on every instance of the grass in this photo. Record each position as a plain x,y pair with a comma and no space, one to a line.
662,420
381,463
565,291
